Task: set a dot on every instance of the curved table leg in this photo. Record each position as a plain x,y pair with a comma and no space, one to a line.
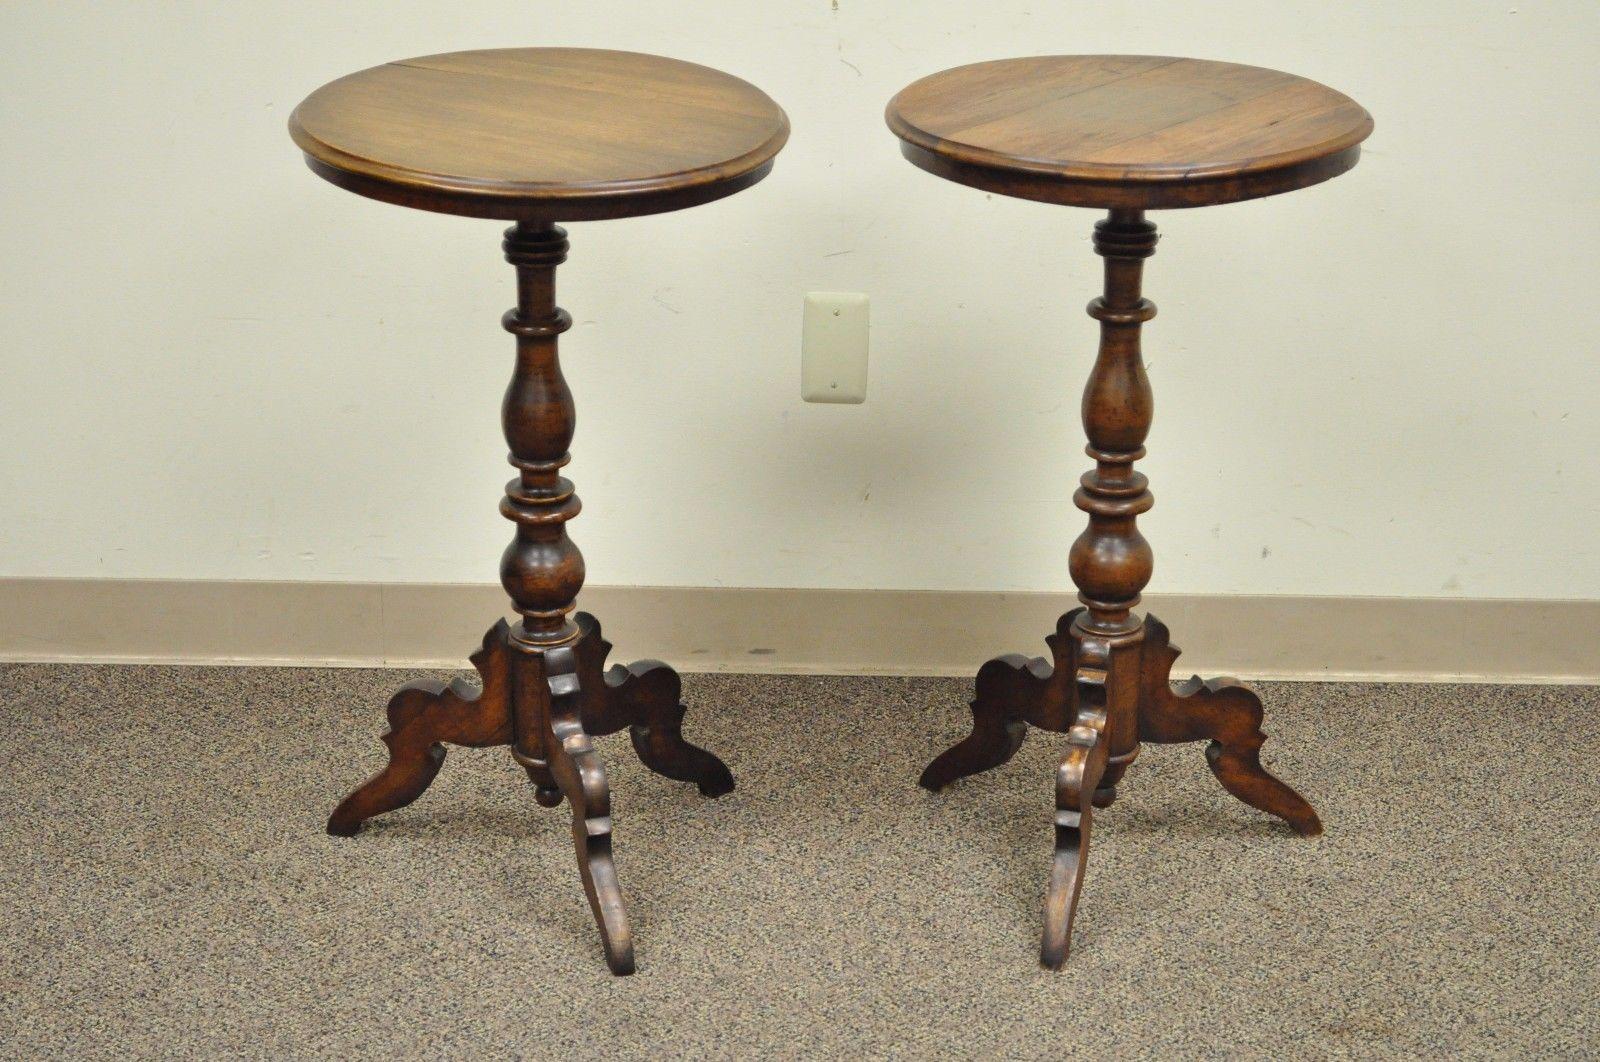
1082,767
645,697
423,715
1005,689
1227,713
582,779
649,691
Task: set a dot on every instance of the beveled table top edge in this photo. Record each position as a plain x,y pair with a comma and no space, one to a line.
1155,173
572,200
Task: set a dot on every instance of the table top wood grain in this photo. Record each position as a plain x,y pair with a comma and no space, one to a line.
541,133
1130,131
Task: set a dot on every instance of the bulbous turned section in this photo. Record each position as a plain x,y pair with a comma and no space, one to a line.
1111,562
542,570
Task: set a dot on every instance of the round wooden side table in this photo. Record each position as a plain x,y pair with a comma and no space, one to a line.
538,136
1126,134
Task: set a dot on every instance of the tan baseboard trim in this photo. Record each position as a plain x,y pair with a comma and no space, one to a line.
791,631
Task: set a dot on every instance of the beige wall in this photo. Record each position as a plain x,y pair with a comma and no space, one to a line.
217,366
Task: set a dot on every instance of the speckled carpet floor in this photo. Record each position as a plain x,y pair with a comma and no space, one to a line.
167,890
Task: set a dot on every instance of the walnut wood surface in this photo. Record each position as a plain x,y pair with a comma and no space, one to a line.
559,134
1133,131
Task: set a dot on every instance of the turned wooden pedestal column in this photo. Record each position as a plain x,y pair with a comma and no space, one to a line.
1126,134
540,135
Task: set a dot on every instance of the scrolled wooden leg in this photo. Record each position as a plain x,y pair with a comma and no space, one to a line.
645,697
1005,688
422,716
582,778
651,690
1082,767
1012,693
1226,713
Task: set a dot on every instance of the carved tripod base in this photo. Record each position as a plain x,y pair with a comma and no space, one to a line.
546,703
1108,695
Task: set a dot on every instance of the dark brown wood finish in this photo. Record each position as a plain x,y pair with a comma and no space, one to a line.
537,134
1126,134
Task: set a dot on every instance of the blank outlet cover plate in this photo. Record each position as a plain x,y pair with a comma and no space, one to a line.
833,347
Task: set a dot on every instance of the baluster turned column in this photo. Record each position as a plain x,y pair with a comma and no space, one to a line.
542,569
1111,562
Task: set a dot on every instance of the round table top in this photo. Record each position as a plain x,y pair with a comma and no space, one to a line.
559,134
1127,131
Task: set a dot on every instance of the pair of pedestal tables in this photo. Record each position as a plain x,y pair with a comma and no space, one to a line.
538,136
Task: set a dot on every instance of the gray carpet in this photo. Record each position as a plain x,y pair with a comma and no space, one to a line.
167,889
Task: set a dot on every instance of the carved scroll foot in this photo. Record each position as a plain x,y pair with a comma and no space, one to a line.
1227,714
423,715
582,780
645,697
1076,781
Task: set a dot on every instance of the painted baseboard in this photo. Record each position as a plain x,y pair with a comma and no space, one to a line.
791,631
